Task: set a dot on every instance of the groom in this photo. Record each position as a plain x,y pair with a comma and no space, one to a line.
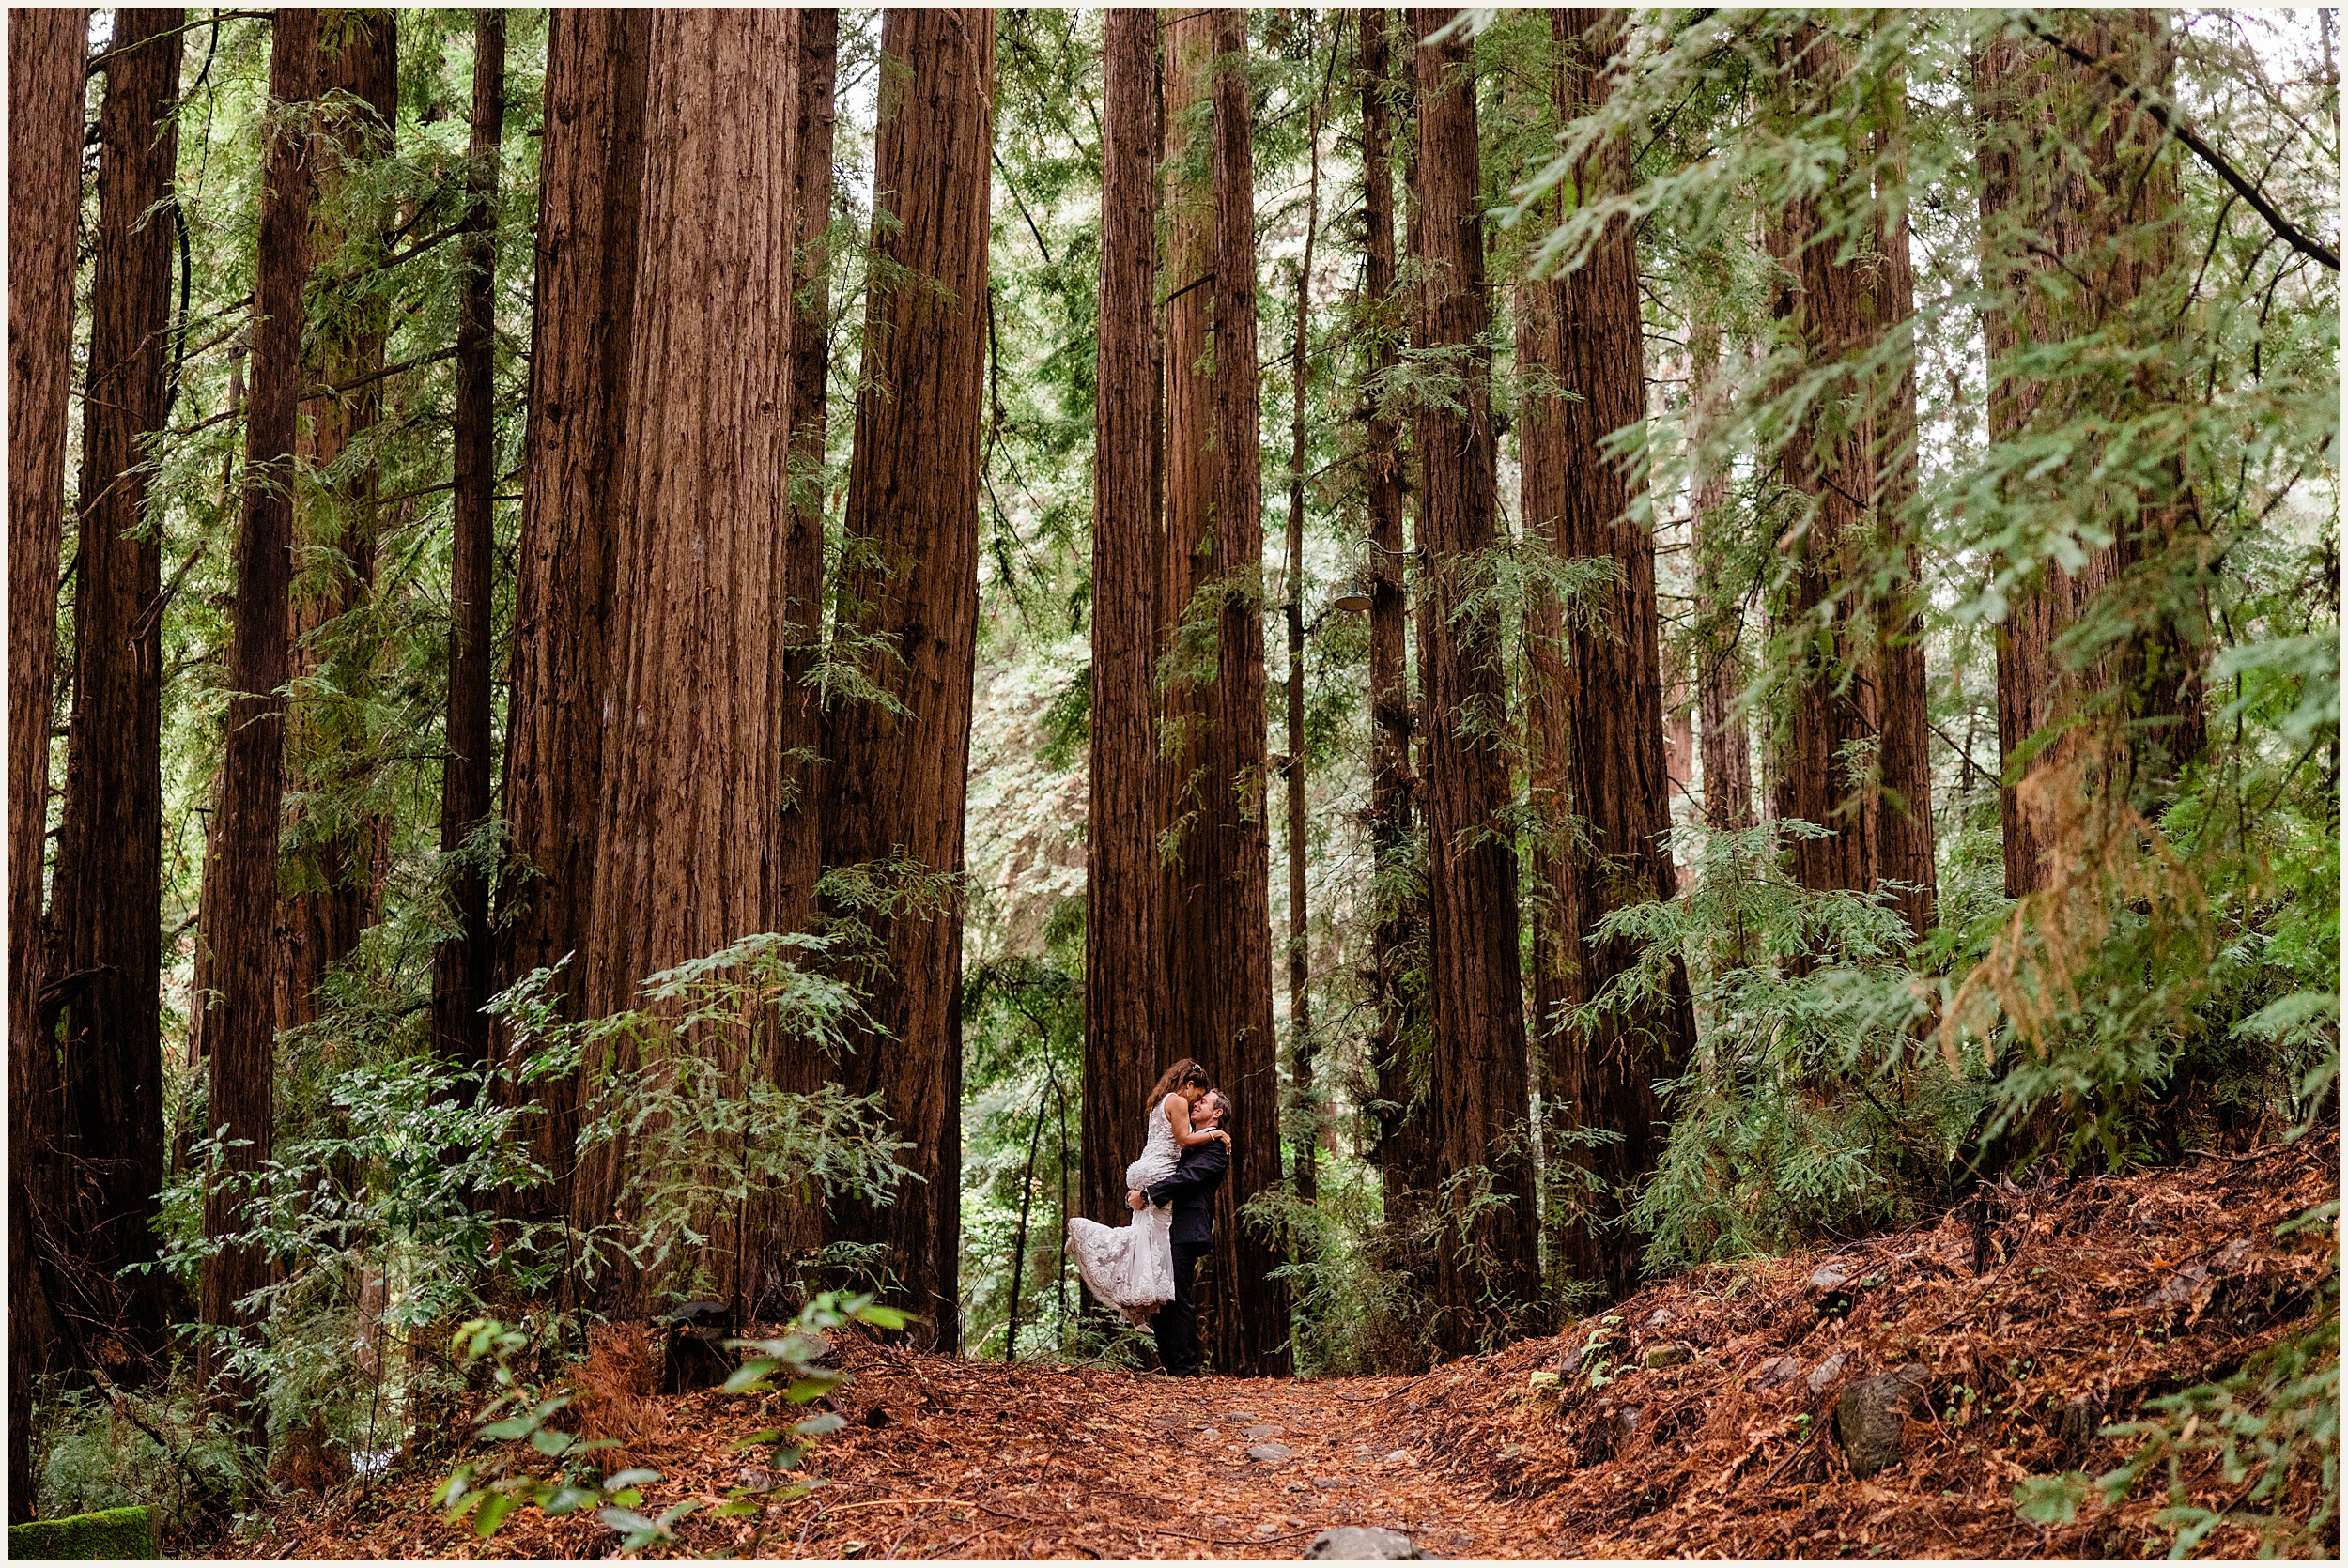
1191,1191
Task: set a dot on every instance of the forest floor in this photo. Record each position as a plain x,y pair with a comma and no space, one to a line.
1694,1420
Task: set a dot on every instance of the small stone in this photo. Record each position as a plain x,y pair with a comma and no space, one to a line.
1628,1415
1399,1456
1830,1278
1364,1543
1826,1372
1666,1355
1208,1434
1257,1434
1271,1453
1777,1372
1660,1320
1331,1482
1869,1417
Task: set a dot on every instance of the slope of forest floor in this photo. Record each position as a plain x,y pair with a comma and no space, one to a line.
1695,1419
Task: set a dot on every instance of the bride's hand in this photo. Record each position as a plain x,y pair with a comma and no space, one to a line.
1218,1132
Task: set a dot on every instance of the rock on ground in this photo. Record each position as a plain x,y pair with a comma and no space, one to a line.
1357,1544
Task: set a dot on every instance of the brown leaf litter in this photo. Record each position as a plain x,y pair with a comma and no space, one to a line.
1692,1421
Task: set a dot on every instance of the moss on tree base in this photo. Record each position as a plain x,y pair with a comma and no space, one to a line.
116,1534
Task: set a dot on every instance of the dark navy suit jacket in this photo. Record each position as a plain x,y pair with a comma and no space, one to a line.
1191,1191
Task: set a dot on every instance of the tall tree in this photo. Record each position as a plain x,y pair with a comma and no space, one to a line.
1603,1076
1825,775
1121,926
329,868
898,785
1721,735
1904,848
2099,222
461,965
46,50
1302,1046
106,903
1487,1267
781,1226
1405,1149
241,1014
582,336
690,790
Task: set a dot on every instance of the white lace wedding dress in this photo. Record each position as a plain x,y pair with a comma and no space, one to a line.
1132,1266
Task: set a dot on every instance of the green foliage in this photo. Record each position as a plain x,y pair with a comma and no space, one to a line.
1359,1308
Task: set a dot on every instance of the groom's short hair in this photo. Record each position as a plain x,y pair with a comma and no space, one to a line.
1222,1103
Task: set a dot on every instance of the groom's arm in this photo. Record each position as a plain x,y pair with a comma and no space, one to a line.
1201,1168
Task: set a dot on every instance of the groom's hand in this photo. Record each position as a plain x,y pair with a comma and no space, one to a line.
1135,1201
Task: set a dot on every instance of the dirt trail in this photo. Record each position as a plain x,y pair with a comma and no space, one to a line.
1694,1421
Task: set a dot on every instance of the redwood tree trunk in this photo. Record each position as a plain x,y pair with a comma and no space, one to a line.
240,1024
46,52
1303,1046
899,780
1824,777
328,874
2075,215
1122,932
461,966
106,904
582,333
690,791
1405,1147
1604,1076
1488,1279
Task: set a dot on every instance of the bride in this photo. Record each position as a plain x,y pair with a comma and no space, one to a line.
1132,1266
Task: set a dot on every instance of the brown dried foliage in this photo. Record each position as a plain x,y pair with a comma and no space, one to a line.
615,1393
2093,1298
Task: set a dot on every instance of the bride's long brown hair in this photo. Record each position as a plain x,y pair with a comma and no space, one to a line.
1180,1076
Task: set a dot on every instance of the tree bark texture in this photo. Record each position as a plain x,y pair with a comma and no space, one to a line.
1486,1277
461,966
782,1227
2101,221
898,786
1122,932
1721,738
241,1014
582,336
689,787
329,869
1405,1148
1604,1076
1904,840
46,52
106,903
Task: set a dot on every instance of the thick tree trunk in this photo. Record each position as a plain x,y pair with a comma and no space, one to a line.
46,52
1903,847
1604,1076
1405,1147
583,337
106,912
461,966
241,1014
1122,930
1486,1277
1829,770
2078,216
1723,745
782,1226
898,782
689,792
328,875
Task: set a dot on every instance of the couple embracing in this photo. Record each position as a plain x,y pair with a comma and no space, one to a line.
1144,1267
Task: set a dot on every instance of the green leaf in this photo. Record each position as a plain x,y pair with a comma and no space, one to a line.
883,1317
571,1499
748,1372
2050,1499
510,1428
822,1425
549,1442
494,1507
806,1390
618,1479
770,1435
677,1510
628,1522
735,1510
627,1495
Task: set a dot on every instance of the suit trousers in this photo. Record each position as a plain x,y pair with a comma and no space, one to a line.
1175,1324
